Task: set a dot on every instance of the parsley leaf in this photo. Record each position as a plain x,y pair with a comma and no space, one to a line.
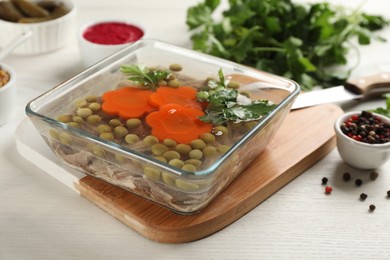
384,110
226,104
144,76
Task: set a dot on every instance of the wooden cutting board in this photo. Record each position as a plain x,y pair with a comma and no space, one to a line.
305,137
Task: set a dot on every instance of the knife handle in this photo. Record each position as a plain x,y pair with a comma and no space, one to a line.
371,85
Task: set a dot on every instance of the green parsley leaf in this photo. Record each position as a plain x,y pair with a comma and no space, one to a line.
143,76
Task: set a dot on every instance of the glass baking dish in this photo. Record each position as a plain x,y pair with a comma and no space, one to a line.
146,171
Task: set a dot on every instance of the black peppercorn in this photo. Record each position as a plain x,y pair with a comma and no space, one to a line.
363,196
346,176
372,207
373,175
324,180
388,193
358,182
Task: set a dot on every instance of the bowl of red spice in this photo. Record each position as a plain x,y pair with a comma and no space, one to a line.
363,139
99,39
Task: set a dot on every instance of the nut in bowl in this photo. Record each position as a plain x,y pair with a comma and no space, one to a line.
51,24
363,139
166,123
7,93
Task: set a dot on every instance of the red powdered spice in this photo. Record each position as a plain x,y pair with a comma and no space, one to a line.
112,33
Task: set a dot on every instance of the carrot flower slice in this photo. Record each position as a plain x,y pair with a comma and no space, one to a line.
185,96
177,122
127,102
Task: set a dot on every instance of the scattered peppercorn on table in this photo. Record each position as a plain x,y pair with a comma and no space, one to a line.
330,211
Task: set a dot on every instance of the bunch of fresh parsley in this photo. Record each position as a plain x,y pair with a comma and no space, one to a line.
297,41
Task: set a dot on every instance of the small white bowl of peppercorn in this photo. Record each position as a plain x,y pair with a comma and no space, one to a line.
363,139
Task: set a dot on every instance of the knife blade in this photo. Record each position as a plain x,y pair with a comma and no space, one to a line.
359,88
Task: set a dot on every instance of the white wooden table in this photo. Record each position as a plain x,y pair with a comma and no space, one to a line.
40,218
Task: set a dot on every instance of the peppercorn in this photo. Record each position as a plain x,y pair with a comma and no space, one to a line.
373,175
372,207
363,196
328,190
358,182
324,180
367,128
346,176
388,193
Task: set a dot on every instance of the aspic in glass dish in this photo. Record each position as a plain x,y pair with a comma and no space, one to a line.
166,123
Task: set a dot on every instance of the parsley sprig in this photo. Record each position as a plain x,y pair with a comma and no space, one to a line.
227,104
301,42
384,110
144,76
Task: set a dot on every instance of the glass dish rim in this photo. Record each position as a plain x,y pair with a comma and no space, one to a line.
146,158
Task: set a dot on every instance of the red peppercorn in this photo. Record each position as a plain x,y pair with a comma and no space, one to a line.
328,190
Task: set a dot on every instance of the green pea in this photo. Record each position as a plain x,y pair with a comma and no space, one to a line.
183,148
84,112
104,129
233,84
175,67
107,136
65,118
196,154
91,99
194,162
189,167
78,119
53,134
250,125
207,137
185,185
162,83
170,155
120,131
209,151
150,140
176,163
133,123
171,77
65,138
168,178
223,148
159,149
73,124
221,130
152,173
174,83
115,122
94,119
119,158
98,151
170,142
161,159
131,138
198,144
245,93
95,106
79,103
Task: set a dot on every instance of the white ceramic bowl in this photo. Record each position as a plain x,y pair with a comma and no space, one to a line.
7,96
46,36
359,154
92,52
